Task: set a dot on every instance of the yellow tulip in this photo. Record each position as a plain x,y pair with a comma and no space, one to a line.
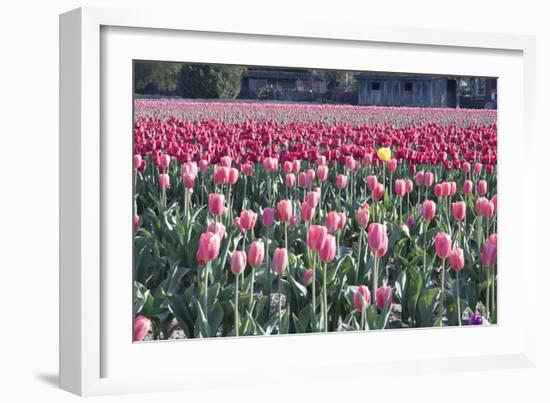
384,154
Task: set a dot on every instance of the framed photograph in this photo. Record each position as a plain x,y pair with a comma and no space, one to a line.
232,191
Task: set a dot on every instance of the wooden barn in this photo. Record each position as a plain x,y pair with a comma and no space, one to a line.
407,90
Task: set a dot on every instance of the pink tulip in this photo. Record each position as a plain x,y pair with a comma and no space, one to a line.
419,178
489,254
204,165
296,165
372,181
466,167
383,297
247,169
367,160
270,164
378,192
233,176
428,209
247,220
164,181
400,187
446,189
322,173
453,188
482,187
290,180
493,238
392,165
238,262
442,245
363,216
307,211
307,279
137,161
459,210
408,185
311,174
328,249
376,235
164,161
438,190
477,168
456,259
136,221
209,248
428,178
494,200
216,204
190,169
221,175
304,180
226,161
361,297
256,254
316,236
188,181
141,327
410,221
341,181
287,167
313,198
216,228
321,160
332,221
343,219
468,187
280,260
284,210
268,217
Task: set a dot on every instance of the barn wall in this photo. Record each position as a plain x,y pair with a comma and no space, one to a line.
425,92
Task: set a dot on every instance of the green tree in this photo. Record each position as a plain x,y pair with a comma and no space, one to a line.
209,81
156,77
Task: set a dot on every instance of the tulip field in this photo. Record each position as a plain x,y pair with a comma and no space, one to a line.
267,219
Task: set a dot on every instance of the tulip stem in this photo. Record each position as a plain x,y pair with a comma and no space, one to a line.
426,222
374,274
487,296
286,235
458,309
205,304
252,288
313,295
237,305
363,311
325,296
442,298
357,279
280,301
493,306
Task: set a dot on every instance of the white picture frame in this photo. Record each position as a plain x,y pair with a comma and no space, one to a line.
96,353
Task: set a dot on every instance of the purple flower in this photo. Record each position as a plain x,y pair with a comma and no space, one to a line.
476,319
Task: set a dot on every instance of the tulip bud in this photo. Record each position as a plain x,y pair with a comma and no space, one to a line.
383,297
438,190
442,245
456,259
410,221
287,167
372,181
488,254
216,204
209,248
378,192
247,220
268,217
400,187
328,250
482,187
136,221
428,178
459,210
233,176
304,180
341,181
141,327
204,165
307,211
216,228
428,209
280,260
307,279
290,180
468,187
322,173
331,222
313,198
284,210
392,165
316,235
164,181
363,216
477,168
408,185
419,178
226,161
361,297
137,161
238,262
